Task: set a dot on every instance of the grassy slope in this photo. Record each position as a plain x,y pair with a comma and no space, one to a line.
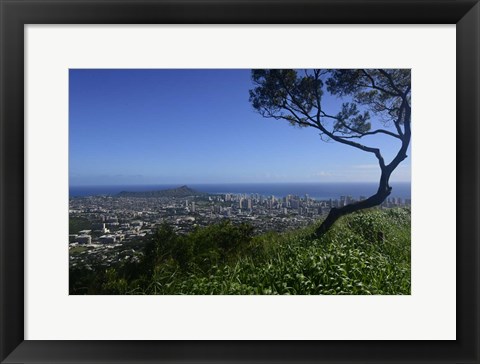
364,253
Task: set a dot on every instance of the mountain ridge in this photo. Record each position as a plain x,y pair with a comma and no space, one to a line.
182,191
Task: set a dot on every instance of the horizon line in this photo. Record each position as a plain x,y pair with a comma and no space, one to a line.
226,183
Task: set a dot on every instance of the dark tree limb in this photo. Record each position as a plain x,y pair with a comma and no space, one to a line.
383,192
283,94
384,189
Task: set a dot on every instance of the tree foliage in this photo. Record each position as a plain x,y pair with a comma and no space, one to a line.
380,95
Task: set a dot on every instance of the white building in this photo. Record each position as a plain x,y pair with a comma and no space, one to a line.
107,239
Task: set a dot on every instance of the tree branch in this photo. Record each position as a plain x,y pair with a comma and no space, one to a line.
376,87
402,153
295,102
299,120
378,131
390,81
339,139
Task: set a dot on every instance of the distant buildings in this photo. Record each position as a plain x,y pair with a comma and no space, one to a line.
107,239
123,220
83,239
104,229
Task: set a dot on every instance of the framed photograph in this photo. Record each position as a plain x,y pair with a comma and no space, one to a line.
239,181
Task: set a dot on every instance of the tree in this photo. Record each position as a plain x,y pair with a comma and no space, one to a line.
296,96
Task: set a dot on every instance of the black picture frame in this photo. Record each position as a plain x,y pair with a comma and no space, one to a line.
17,13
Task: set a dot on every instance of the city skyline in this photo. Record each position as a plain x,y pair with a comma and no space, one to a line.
143,127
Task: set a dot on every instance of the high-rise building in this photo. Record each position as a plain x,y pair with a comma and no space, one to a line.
104,229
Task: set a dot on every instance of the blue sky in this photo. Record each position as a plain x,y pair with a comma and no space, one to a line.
197,126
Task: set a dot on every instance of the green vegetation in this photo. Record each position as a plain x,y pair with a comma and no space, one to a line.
78,249
183,191
364,253
77,224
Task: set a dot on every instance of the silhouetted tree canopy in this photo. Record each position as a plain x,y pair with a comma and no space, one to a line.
383,95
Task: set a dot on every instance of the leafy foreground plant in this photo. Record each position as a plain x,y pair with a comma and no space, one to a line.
364,253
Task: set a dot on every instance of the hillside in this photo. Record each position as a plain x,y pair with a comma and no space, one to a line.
364,253
183,191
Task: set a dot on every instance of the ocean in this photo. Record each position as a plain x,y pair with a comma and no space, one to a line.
319,191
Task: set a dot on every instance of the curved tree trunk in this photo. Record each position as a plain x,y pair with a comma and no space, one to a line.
282,94
383,192
384,188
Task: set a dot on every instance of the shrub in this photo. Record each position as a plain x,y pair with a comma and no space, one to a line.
226,259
